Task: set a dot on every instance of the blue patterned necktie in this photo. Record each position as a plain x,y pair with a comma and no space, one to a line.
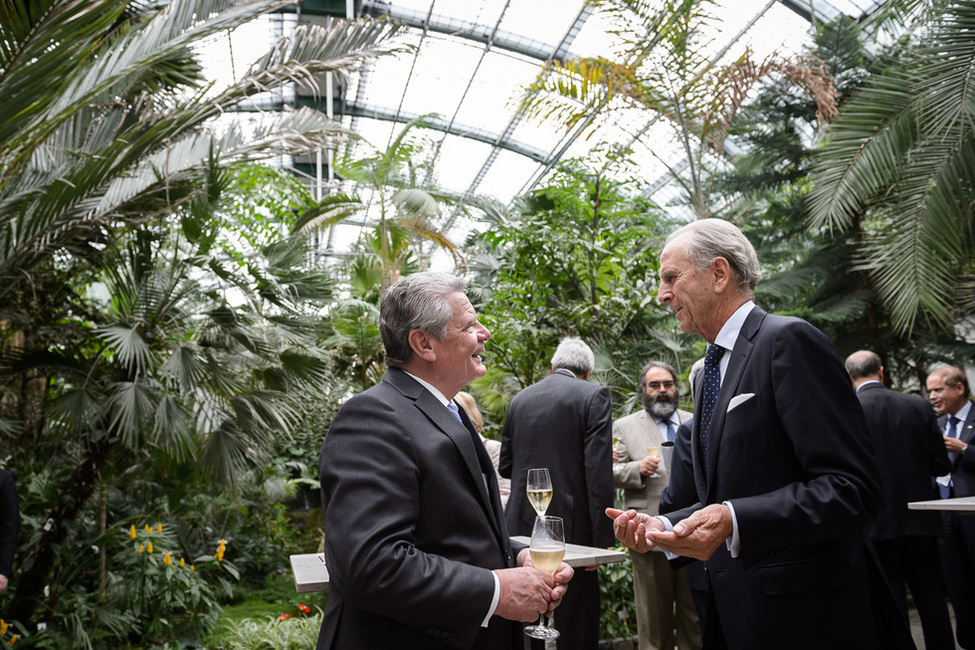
453,409
709,394
671,431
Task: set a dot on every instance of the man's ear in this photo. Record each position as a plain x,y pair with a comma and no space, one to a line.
422,344
721,274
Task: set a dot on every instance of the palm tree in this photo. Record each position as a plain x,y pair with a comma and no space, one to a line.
107,120
107,129
398,207
897,173
663,70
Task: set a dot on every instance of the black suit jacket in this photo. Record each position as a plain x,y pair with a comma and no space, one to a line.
911,452
963,467
9,522
413,526
789,449
565,424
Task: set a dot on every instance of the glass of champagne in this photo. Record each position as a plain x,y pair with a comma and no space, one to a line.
539,490
547,549
655,453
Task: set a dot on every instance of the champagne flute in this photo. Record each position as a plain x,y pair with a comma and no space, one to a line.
654,452
547,549
539,490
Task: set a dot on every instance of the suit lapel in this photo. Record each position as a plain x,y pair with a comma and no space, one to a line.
740,355
459,434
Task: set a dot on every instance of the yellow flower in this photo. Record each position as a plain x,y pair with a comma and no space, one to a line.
191,568
149,549
159,528
12,640
182,562
167,559
142,547
132,531
220,549
148,530
3,627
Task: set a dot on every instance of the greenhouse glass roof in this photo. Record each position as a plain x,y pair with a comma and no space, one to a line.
473,60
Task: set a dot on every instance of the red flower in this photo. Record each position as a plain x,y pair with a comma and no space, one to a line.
305,608
283,617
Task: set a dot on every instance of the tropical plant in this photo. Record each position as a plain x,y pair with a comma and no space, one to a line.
663,69
107,119
134,343
394,197
897,172
578,257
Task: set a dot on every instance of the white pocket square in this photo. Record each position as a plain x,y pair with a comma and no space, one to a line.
738,400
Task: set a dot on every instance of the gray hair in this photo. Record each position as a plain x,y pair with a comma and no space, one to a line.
657,364
952,376
573,354
863,363
708,239
418,301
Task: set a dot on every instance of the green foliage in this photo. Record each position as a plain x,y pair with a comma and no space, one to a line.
618,617
293,633
578,257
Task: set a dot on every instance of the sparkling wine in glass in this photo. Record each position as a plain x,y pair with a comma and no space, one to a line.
539,490
654,452
547,549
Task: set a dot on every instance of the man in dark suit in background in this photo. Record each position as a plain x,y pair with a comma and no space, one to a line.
911,454
564,423
948,391
417,550
784,469
9,523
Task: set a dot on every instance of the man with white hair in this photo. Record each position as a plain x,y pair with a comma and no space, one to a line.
564,423
785,473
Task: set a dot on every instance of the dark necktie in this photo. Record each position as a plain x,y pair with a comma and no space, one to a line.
671,431
483,459
945,490
709,394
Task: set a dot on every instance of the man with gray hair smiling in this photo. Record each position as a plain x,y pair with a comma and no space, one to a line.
416,546
785,476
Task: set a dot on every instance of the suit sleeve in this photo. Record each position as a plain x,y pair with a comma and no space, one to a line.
371,480
940,464
598,447
626,473
9,522
680,491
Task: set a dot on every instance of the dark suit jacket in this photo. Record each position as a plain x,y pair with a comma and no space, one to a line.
794,458
565,424
680,491
9,522
413,526
911,452
963,468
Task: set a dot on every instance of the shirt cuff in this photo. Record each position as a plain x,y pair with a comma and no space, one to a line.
733,543
670,528
494,601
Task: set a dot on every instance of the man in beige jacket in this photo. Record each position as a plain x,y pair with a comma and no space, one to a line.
642,475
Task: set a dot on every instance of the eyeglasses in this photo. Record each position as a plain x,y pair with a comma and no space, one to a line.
656,385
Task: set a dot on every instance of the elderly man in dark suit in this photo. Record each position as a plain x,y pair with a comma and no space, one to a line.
948,391
564,423
911,453
784,469
416,545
